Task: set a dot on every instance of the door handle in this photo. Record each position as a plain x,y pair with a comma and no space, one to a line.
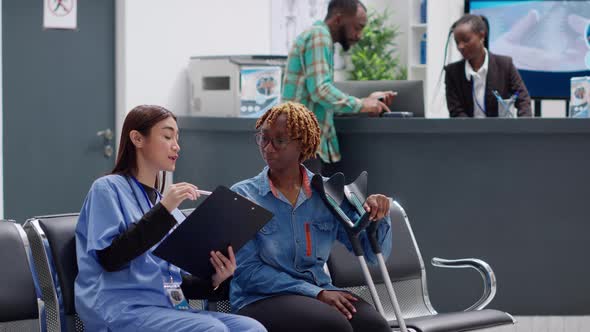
107,136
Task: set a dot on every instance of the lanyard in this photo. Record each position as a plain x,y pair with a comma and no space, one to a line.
145,195
149,203
483,109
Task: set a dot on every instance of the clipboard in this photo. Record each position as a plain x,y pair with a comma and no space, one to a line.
224,218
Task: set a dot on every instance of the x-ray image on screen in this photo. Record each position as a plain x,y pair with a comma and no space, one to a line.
547,40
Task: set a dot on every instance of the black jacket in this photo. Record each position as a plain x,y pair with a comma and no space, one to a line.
502,76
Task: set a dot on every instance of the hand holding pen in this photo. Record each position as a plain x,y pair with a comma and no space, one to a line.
178,192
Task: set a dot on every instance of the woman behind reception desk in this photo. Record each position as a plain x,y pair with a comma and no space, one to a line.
471,82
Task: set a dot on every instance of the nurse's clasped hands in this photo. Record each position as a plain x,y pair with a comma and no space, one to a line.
177,193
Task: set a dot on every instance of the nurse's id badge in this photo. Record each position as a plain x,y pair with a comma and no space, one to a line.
176,296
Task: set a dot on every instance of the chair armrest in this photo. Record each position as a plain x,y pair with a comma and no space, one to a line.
484,269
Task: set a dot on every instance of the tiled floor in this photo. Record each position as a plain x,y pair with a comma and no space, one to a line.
548,324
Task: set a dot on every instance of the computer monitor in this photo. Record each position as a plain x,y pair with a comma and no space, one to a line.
410,94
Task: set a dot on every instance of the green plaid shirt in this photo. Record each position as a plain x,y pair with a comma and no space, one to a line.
309,80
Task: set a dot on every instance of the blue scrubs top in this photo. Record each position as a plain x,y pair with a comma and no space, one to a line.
105,300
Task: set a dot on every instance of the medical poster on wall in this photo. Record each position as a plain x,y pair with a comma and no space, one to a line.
260,90
291,17
60,14
580,97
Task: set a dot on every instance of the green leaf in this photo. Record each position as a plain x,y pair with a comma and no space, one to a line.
375,56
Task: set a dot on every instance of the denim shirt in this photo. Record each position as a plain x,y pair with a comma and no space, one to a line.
288,254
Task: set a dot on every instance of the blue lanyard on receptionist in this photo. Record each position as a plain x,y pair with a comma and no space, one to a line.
483,109
150,205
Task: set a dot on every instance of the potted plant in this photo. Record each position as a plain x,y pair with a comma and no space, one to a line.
374,56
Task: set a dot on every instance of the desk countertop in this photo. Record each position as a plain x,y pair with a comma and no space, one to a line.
411,126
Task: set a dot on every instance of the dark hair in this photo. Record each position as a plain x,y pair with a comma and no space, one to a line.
141,118
486,41
348,7
478,23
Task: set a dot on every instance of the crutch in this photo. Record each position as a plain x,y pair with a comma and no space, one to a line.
356,194
332,193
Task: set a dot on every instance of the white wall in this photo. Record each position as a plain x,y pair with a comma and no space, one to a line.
1,126
155,40
398,9
553,108
441,15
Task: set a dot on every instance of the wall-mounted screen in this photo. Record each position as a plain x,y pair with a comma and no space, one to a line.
547,40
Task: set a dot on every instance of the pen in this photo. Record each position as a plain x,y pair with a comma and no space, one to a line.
499,98
513,98
510,102
204,192
497,94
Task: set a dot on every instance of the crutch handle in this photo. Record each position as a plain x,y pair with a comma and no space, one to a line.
361,224
332,193
353,234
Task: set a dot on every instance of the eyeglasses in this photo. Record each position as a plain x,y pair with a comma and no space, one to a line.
277,143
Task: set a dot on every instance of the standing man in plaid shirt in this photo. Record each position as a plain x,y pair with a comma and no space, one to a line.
309,77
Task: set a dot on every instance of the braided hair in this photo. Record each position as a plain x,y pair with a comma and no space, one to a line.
301,124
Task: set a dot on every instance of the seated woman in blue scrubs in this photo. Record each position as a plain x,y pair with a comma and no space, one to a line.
121,285
280,279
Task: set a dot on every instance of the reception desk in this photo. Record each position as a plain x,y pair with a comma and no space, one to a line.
514,193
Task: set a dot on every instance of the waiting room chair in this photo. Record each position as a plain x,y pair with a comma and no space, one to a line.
54,251
21,307
53,242
408,275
